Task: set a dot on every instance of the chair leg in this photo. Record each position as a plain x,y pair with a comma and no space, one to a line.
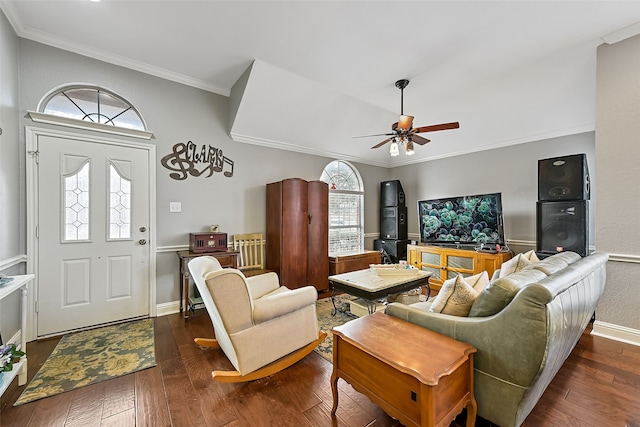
207,342
270,369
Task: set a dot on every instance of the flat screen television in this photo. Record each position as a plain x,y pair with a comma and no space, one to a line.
465,220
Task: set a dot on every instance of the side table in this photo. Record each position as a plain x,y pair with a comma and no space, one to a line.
19,369
227,259
416,375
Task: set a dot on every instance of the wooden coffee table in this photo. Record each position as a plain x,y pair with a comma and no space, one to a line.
415,375
371,287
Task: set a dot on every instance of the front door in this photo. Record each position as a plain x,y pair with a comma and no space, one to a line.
93,212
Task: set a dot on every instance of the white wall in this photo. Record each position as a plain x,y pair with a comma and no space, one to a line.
618,202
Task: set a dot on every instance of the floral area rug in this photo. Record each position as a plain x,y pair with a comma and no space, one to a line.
88,357
326,321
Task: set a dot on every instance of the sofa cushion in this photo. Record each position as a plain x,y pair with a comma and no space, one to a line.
555,263
518,263
457,295
501,291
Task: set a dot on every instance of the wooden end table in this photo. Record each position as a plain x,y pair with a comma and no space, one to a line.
416,375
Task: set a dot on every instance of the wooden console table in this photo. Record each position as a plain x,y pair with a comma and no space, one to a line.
415,375
227,259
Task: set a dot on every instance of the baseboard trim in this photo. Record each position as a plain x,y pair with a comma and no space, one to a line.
168,308
616,332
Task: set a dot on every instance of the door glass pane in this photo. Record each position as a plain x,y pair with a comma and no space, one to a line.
76,205
119,205
465,263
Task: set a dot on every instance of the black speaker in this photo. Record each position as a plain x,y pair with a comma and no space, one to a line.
394,249
391,194
563,226
564,178
393,223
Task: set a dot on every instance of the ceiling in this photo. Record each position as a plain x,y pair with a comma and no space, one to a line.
308,76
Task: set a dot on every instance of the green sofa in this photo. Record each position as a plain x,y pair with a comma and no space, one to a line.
540,314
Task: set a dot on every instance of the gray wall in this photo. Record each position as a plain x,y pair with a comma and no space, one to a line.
12,214
512,171
177,113
618,202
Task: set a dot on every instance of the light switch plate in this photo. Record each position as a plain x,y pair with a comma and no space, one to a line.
175,207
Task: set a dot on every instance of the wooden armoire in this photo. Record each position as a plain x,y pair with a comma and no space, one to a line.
297,245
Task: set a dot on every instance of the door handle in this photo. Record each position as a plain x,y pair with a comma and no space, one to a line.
142,241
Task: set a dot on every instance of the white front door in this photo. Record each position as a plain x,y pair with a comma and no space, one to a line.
93,223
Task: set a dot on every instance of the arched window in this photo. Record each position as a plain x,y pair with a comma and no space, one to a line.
91,107
346,208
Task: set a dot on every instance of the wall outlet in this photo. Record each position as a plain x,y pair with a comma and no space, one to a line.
175,207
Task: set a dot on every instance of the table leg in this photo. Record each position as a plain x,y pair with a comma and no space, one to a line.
334,390
333,301
185,284
181,291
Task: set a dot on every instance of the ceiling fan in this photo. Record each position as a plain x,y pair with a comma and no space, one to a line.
403,132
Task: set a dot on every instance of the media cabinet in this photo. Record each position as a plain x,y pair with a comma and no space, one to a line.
446,263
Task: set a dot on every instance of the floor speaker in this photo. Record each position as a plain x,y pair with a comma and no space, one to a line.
393,223
396,250
564,178
391,194
563,226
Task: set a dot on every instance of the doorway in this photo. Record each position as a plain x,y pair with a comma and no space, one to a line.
91,220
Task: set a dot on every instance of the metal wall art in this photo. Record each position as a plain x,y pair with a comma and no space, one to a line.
189,159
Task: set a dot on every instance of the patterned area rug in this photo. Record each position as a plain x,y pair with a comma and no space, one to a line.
88,357
326,321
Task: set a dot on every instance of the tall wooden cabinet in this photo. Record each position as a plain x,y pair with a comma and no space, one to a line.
297,235
446,263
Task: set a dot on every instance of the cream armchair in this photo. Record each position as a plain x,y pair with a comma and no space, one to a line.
260,326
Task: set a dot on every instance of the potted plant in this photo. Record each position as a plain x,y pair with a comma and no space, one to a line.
9,354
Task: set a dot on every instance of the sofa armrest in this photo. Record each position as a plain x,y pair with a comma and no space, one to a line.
262,284
280,303
511,344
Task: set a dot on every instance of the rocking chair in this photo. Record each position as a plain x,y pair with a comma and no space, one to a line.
260,326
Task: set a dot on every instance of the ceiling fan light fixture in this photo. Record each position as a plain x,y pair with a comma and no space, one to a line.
393,149
409,149
405,122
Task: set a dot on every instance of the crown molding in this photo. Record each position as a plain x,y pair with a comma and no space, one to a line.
102,55
263,142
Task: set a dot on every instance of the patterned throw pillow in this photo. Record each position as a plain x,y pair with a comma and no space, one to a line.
455,297
518,262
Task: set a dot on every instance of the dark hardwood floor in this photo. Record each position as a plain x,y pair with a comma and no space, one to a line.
599,385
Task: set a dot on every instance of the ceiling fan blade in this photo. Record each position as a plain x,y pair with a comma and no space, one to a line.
418,139
441,126
378,134
382,143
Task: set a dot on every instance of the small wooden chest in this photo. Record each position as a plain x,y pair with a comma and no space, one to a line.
207,242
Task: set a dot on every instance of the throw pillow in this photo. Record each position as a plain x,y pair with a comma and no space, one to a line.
518,263
455,297
478,282
499,293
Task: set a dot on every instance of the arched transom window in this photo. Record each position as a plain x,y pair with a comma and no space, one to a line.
92,104
346,208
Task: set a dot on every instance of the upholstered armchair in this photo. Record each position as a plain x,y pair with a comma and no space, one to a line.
260,326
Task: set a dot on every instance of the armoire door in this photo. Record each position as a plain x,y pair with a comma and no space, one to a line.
318,235
293,264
